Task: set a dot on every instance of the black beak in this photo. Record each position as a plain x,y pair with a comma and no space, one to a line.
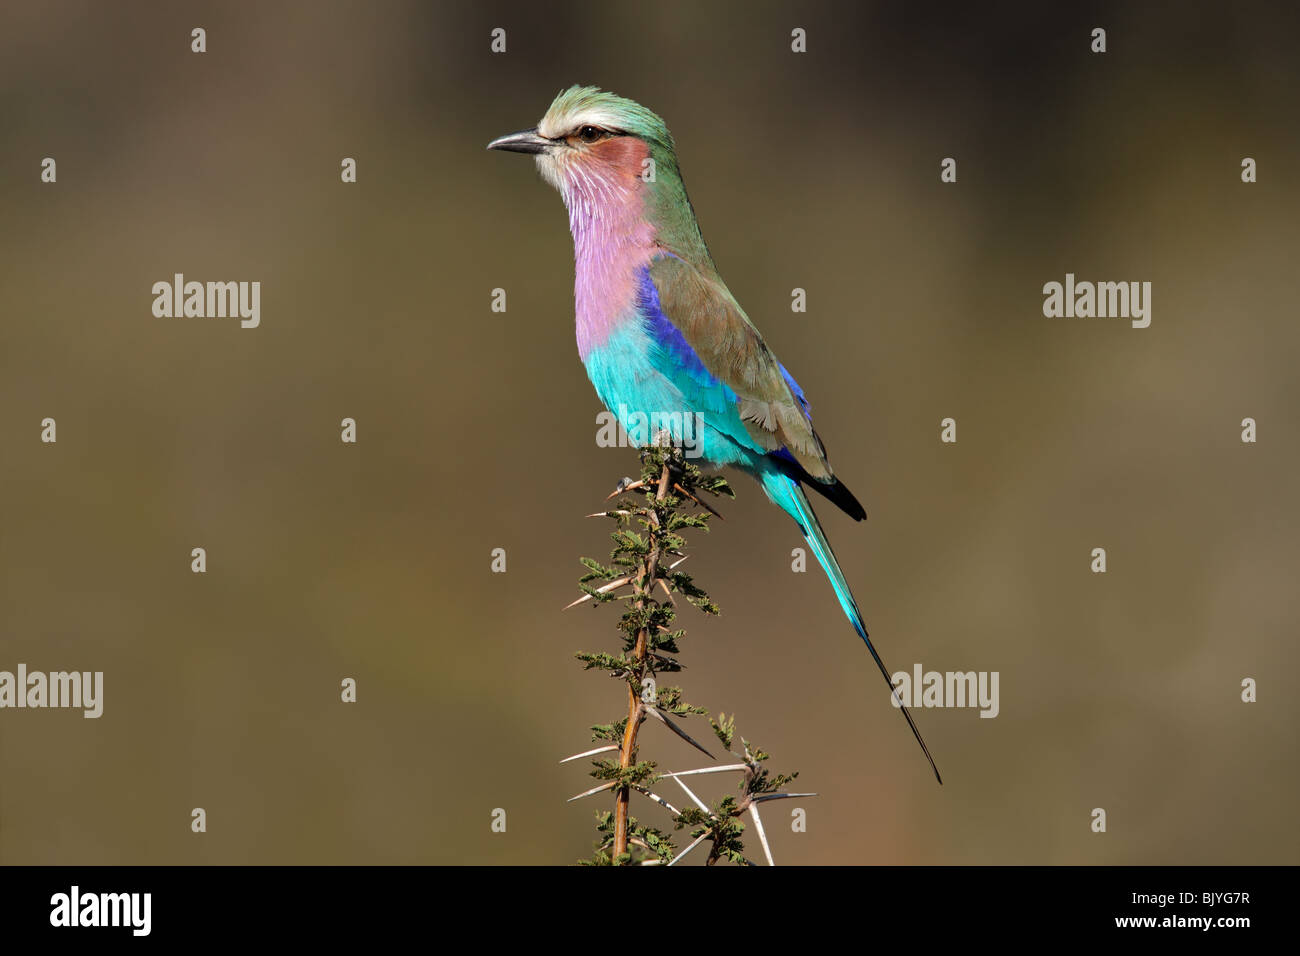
525,141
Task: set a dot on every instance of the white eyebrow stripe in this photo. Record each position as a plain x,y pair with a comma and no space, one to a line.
553,127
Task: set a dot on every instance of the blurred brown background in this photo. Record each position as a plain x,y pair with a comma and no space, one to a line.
476,430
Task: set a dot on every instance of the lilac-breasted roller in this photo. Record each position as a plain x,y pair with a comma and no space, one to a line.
661,336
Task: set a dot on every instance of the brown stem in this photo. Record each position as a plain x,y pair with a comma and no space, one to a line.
635,710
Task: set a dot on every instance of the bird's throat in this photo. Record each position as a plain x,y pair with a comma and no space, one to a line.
612,242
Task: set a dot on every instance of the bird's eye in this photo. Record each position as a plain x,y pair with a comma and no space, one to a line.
589,134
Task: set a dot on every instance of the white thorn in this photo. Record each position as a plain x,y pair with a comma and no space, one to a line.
587,793
658,799
687,773
698,840
690,793
762,837
589,753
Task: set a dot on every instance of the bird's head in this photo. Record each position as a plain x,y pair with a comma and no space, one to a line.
593,145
